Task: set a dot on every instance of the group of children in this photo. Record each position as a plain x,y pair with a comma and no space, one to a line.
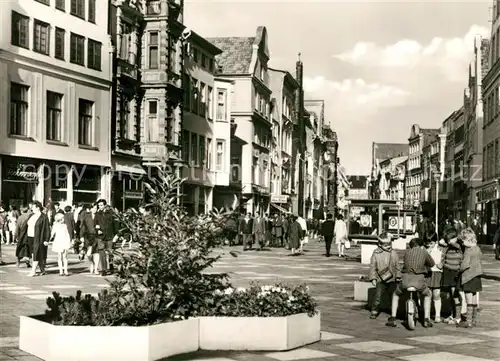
451,265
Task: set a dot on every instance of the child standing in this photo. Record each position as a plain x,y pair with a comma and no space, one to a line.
450,281
472,271
384,270
61,242
434,281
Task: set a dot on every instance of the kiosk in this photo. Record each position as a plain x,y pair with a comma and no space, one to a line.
367,218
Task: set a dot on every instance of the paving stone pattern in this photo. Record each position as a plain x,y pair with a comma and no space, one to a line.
348,333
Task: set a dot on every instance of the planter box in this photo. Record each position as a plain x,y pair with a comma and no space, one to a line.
110,343
259,333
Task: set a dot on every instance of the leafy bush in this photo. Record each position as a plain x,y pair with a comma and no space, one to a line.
162,279
260,301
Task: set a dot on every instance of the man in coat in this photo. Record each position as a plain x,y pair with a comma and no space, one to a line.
107,230
245,231
327,229
259,230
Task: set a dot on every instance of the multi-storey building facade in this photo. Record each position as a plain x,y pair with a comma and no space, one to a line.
433,165
459,185
316,150
358,187
473,113
391,178
489,193
204,106
55,81
162,57
382,152
284,87
125,29
244,60
418,140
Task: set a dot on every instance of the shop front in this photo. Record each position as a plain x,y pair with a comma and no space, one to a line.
22,181
280,203
488,207
196,199
127,185
87,184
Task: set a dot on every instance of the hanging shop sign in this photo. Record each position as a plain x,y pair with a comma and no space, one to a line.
133,195
279,198
21,172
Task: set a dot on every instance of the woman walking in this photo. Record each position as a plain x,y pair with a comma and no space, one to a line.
12,216
38,237
340,234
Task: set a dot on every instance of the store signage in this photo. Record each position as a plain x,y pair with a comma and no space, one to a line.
133,195
488,194
22,171
279,198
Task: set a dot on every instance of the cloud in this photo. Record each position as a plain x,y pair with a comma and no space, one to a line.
350,94
449,56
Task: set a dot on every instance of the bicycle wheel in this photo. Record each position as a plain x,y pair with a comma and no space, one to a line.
410,314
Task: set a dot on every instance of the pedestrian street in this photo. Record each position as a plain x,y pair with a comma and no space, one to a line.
348,333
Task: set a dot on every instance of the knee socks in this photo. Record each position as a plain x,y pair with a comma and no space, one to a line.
437,309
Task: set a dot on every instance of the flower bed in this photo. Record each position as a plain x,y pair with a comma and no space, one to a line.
160,301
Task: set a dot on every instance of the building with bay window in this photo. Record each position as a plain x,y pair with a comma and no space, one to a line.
55,80
244,61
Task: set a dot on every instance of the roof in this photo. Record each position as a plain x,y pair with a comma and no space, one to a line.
430,135
384,151
358,181
236,54
394,161
204,43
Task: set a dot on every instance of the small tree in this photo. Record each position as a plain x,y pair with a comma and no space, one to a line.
162,278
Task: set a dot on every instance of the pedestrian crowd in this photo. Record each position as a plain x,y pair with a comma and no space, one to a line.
88,230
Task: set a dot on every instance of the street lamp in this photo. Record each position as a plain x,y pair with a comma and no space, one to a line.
437,178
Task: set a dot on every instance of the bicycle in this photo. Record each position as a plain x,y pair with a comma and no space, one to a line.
411,309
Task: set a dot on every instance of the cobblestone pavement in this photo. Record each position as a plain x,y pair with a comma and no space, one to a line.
348,333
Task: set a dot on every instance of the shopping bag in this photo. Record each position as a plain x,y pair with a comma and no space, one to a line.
347,244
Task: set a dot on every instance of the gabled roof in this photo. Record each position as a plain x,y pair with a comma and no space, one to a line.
382,151
236,54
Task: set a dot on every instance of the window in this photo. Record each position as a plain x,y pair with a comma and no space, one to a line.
221,105
186,83
77,49
194,149
61,5
219,162
54,113
211,65
497,157
20,29
195,54
202,150
210,110
185,145
41,37
78,8
85,116
94,54
203,61
91,17
45,2
19,109
203,100
153,50
194,96
153,7
125,118
152,127
172,54
209,153
60,48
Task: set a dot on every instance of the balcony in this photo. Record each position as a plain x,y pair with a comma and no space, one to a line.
125,69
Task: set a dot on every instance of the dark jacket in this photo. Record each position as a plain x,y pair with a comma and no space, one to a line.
87,227
69,221
106,223
327,228
246,227
42,234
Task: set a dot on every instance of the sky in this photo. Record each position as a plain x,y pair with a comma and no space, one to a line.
380,66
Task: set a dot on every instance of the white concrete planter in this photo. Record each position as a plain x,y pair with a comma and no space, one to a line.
259,333
82,343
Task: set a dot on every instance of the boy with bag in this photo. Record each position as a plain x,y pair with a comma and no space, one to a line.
384,270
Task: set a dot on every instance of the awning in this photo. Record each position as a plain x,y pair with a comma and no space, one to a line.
127,167
279,208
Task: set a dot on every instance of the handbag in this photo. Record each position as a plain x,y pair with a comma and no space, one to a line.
347,244
386,274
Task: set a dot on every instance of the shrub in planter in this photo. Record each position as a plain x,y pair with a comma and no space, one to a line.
277,300
161,279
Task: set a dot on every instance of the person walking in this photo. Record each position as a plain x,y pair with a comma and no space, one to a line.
259,231
327,229
88,239
69,221
496,244
107,231
294,235
340,234
245,231
23,250
38,233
